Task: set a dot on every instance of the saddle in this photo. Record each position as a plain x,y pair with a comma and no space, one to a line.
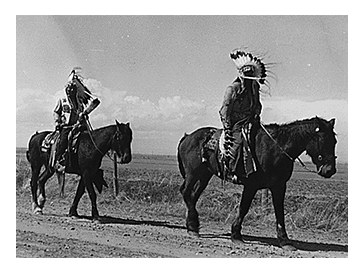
50,144
211,146
214,144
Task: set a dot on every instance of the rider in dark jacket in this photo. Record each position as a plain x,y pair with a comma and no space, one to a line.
240,110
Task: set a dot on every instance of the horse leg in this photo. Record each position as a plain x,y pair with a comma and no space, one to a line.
61,183
79,192
246,200
200,186
92,194
278,194
42,180
192,222
34,189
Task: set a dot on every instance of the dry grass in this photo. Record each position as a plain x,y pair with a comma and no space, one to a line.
157,192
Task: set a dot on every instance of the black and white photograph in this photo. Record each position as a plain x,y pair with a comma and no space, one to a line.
182,136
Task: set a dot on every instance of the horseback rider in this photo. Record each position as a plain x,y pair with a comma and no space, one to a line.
71,116
241,110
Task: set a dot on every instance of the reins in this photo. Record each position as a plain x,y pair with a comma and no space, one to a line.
266,131
90,130
292,159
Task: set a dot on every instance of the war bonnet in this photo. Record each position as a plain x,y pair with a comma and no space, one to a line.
242,59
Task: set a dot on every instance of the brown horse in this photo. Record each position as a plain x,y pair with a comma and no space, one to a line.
274,156
91,149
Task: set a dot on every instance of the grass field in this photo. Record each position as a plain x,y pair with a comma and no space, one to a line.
150,184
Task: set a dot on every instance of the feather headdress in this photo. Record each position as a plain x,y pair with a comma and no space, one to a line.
77,91
83,94
242,59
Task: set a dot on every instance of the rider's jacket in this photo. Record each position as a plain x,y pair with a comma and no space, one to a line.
63,113
241,103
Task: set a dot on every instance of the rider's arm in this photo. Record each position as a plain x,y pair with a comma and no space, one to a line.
57,112
257,103
226,107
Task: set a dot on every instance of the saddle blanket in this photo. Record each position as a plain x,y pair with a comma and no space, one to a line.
50,142
214,142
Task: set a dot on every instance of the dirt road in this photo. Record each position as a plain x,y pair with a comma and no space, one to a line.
121,234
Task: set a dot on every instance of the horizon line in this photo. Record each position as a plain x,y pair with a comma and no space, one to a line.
158,154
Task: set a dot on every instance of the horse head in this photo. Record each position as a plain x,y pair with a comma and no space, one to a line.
121,142
321,147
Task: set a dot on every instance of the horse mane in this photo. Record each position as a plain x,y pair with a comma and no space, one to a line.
104,127
113,128
295,129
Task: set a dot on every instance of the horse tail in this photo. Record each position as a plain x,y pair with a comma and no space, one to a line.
180,163
27,154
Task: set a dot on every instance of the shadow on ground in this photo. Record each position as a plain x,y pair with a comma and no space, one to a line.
114,220
300,245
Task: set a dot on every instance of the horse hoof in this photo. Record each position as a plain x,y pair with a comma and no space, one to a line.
38,211
289,248
193,234
97,221
73,215
237,240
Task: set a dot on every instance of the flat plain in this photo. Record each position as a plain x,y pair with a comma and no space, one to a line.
147,218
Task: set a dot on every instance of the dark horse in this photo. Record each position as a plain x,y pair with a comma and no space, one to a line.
274,158
88,158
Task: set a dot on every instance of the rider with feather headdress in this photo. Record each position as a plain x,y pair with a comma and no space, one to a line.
241,110
71,113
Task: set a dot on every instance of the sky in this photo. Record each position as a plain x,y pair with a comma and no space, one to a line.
167,75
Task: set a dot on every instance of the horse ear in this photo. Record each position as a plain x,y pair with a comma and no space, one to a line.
332,122
127,124
117,125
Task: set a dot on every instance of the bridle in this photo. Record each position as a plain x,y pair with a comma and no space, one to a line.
284,152
90,130
241,76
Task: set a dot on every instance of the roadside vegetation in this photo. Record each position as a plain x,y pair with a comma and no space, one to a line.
156,193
